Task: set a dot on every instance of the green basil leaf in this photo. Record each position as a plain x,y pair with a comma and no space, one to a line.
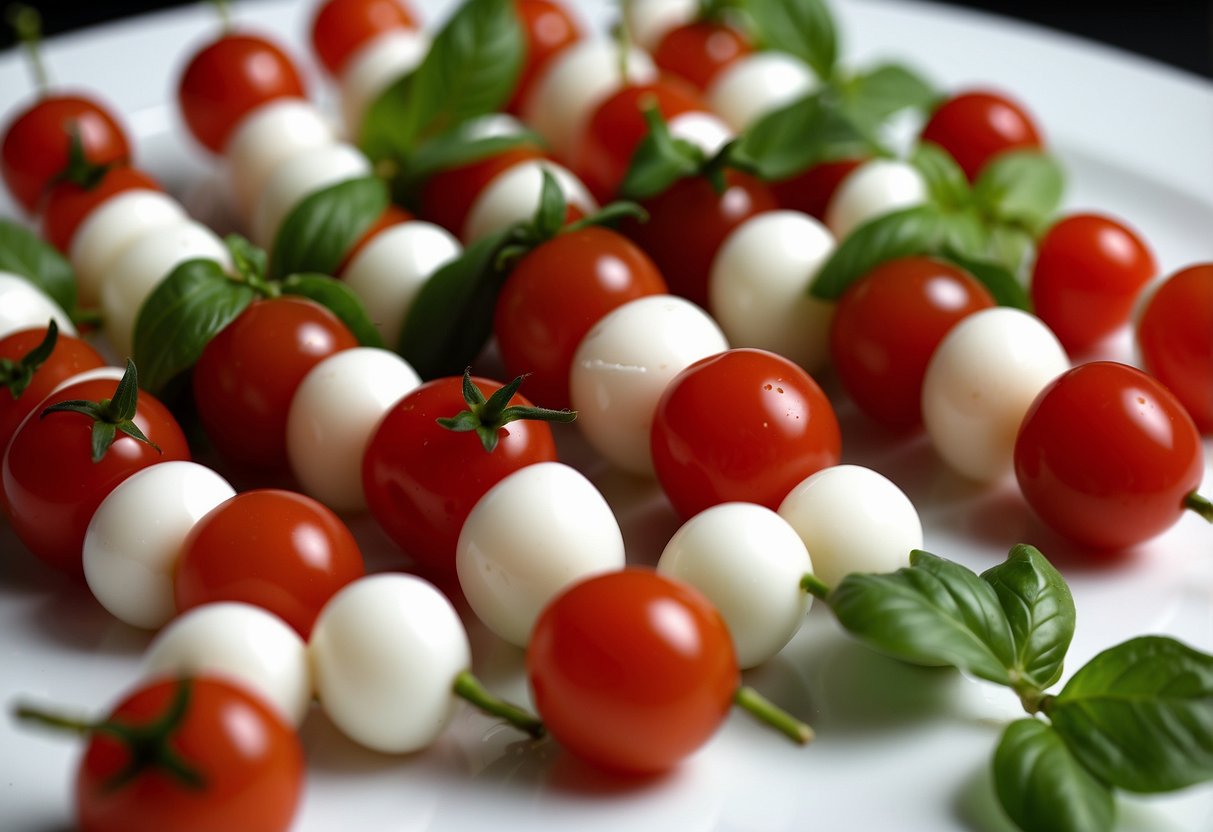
870,98
319,232
935,612
1140,715
338,299
946,182
454,149
470,70
1013,247
659,160
966,234
803,28
921,229
1043,788
180,317
251,262
787,141
1040,609
22,253
997,278
1021,186
552,210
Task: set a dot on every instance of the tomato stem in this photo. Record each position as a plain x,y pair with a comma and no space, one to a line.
225,14
15,376
488,416
1199,504
27,25
816,587
766,711
109,415
469,688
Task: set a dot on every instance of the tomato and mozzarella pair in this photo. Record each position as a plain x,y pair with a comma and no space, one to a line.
24,306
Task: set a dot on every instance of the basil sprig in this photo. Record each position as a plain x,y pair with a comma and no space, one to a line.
22,253
804,28
320,231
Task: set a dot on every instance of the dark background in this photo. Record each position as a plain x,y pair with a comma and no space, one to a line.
1178,32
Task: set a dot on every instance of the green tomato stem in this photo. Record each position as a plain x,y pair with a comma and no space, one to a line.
27,25
1201,505
766,711
469,688
816,587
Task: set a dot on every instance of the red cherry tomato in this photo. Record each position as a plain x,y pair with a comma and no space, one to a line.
631,670
1176,337
810,192
555,294
51,483
1089,271
250,762
278,550
228,79
742,425
1107,456
248,373
976,126
341,28
67,205
549,28
887,326
698,52
688,224
447,197
37,144
392,215
422,480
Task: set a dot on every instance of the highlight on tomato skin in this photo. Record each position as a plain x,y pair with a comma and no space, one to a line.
1174,337
976,125
341,28
549,28
699,51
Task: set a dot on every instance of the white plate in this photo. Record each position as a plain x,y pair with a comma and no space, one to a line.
898,748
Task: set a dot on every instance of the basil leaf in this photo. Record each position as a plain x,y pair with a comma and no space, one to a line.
180,316
998,280
870,98
470,70
1040,609
1013,248
250,261
803,28
338,299
552,210
921,229
319,232
1022,186
946,182
22,253
659,160
1043,788
1140,715
797,136
935,612
454,149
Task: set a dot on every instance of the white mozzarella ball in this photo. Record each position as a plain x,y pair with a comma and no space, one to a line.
270,135
875,188
759,84
134,539
758,290
748,561
111,229
490,126
374,68
575,82
704,130
529,537
980,382
24,306
298,177
332,415
649,21
623,365
248,645
852,519
141,268
387,650
513,195
389,271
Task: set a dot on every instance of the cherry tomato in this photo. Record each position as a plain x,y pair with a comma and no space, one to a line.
275,549
422,480
447,197
688,224
631,670
246,376
1107,456
392,215
340,28
68,204
698,52
1176,338
228,79
549,29
887,326
555,294
810,191
37,144
743,425
976,126
249,760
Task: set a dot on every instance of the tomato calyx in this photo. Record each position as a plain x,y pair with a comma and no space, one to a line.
488,416
771,715
1200,504
110,416
80,171
470,689
716,11
15,376
661,160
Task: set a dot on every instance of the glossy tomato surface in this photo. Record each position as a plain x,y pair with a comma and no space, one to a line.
1175,334
631,670
549,28
447,197
250,762
698,52
978,125
1106,456
392,215
810,191
743,425
341,28
68,204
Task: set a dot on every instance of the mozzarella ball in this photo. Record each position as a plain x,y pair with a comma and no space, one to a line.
649,21
250,646
134,539
266,138
24,306
491,125
703,130
623,365
513,195
852,519
748,561
111,229
389,271
979,384
574,83
875,188
758,290
758,84
387,650
374,68
298,177
529,537
332,415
